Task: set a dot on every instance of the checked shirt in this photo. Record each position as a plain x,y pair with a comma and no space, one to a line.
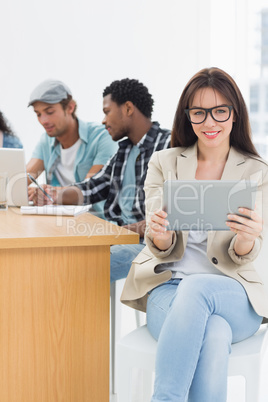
107,183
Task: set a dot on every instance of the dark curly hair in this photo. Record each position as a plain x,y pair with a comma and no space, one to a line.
133,91
4,127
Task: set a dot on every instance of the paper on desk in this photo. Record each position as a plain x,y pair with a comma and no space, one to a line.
68,210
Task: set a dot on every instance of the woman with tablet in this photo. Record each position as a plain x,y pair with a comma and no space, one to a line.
200,288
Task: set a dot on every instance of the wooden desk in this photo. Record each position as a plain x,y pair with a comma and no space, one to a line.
54,307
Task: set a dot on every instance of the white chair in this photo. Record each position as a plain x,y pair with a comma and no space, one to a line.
138,349
116,308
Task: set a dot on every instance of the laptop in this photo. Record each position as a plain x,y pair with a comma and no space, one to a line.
12,161
204,204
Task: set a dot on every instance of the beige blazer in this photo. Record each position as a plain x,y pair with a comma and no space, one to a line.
181,163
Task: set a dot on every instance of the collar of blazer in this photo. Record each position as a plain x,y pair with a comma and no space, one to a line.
186,168
187,164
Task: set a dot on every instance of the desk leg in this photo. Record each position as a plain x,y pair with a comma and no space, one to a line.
54,317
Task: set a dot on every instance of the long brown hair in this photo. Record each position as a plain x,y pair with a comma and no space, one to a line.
182,132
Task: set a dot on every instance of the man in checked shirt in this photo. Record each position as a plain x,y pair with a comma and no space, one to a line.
127,106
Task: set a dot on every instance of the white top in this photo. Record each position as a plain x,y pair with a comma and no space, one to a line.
194,260
65,169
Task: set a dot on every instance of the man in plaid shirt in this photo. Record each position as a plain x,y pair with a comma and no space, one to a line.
127,107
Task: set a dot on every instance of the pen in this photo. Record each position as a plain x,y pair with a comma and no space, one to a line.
40,188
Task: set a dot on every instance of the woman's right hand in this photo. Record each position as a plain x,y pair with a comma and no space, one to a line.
162,237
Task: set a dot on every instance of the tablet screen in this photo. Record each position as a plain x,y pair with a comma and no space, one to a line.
205,204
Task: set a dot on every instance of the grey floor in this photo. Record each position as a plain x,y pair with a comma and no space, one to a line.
235,384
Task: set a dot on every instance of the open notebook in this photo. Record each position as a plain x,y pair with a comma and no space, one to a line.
68,210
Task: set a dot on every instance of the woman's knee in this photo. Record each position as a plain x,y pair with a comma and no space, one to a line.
218,336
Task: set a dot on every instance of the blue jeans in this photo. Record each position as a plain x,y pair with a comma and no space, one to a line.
121,259
195,320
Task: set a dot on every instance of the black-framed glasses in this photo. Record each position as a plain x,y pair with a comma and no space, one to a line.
198,115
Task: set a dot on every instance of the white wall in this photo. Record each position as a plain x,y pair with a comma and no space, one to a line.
90,43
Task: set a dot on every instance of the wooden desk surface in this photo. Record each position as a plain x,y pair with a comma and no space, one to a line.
20,231
54,306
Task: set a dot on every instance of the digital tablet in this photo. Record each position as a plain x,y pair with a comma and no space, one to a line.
205,204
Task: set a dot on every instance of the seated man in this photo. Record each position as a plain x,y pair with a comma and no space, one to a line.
128,107
70,150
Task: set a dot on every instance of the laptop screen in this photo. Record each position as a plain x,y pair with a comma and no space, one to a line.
12,161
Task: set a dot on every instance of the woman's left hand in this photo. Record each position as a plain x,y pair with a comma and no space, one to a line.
247,229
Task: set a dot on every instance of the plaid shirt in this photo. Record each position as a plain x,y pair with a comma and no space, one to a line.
106,184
